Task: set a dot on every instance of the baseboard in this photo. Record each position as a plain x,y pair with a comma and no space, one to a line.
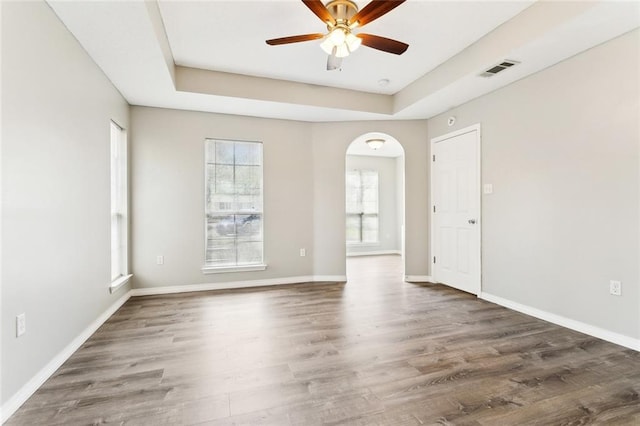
591,330
419,279
330,278
20,397
374,253
150,291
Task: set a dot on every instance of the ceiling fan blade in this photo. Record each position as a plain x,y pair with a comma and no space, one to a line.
333,62
374,10
294,39
382,43
319,9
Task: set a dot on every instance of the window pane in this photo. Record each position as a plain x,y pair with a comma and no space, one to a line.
353,228
223,152
118,172
115,247
248,153
249,253
370,228
362,205
233,179
221,227
221,252
248,180
353,192
249,227
223,179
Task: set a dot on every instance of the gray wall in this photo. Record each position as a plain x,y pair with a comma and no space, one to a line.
330,142
388,200
304,166
167,162
561,150
56,107
168,187
401,200
560,147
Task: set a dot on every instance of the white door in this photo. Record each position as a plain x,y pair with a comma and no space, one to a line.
455,195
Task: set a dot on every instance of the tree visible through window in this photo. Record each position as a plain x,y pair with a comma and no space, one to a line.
362,206
233,181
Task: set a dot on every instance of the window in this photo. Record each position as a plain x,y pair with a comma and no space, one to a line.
233,206
119,195
362,206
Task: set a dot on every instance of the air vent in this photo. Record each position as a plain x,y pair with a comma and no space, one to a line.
507,63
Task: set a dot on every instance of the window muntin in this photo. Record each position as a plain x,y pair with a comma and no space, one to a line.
362,206
119,208
233,203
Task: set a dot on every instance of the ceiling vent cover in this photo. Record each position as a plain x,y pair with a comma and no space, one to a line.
507,63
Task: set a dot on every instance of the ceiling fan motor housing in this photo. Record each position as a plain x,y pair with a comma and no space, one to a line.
342,11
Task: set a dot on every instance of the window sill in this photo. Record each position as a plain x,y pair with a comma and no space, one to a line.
225,269
354,245
119,282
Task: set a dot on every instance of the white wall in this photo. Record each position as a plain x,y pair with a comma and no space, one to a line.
561,149
56,107
388,200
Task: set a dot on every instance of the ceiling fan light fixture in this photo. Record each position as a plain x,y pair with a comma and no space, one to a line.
342,51
352,42
327,45
337,36
341,17
375,144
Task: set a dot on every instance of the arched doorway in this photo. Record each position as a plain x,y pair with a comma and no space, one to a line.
375,197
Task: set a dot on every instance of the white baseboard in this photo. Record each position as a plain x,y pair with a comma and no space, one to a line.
20,397
236,284
330,278
419,279
373,253
591,330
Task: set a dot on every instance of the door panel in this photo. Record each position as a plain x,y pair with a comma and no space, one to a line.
456,198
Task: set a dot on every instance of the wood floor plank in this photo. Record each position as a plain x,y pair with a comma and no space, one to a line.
374,351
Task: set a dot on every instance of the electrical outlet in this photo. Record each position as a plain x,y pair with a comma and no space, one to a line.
303,252
159,260
487,188
615,288
21,324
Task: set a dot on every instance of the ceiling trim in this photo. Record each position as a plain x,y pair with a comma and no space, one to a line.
522,29
218,83
129,42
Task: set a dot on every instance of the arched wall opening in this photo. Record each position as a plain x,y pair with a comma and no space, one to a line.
375,218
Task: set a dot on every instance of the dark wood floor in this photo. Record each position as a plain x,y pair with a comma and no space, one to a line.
375,351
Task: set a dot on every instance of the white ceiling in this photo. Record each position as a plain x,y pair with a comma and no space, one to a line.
230,37
211,55
390,148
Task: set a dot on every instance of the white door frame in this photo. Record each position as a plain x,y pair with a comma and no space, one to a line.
432,228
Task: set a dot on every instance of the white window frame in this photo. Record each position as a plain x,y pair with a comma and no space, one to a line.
119,207
377,214
215,269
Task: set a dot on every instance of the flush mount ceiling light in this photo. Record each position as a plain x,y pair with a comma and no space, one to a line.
375,143
341,17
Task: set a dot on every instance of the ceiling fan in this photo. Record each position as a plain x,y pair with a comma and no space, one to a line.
341,18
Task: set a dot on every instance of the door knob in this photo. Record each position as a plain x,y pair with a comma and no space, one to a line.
472,221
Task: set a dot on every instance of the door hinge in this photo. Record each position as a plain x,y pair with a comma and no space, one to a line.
434,209
434,259
434,158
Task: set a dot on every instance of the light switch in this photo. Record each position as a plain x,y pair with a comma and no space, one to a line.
487,188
